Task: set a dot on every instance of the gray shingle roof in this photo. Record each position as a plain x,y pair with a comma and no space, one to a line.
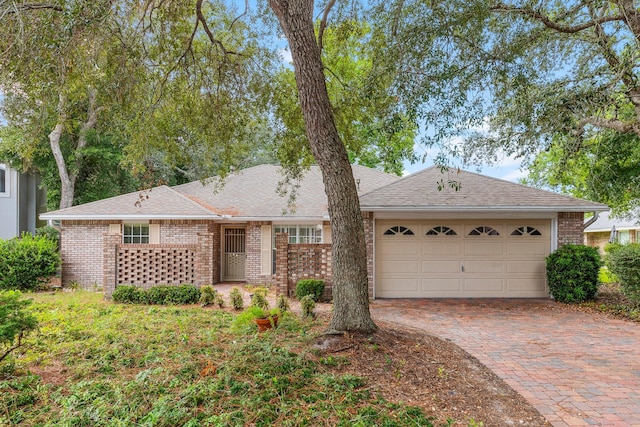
254,192
420,192
159,202
605,222
248,194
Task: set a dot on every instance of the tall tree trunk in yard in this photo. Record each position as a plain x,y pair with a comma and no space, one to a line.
350,287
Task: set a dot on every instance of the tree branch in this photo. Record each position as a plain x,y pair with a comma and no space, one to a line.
613,124
549,23
246,10
323,22
23,7
207,30
18,344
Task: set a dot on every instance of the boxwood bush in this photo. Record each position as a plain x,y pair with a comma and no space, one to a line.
27,263
313,287
624,263
161,294
572,273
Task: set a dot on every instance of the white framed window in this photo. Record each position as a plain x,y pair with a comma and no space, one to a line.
4,180
299,233
624,237
135,233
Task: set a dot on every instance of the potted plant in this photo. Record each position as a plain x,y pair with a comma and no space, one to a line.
263,318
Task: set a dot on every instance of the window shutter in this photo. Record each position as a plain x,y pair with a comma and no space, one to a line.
154,233
265,250
115,229
326,234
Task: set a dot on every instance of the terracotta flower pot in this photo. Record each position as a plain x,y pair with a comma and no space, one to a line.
264,324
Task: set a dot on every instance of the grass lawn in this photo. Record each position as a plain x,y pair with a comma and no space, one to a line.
95,363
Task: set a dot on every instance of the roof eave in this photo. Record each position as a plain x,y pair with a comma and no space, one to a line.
121,217
483,208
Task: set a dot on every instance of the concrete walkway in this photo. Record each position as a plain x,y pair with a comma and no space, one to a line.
577,369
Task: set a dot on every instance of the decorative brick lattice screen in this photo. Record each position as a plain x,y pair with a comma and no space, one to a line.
302,261
150,265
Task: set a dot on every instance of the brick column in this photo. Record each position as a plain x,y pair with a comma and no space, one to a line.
204,260
367,219
110,244
282,268
570,228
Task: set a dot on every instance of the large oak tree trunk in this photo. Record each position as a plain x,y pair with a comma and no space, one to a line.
350,288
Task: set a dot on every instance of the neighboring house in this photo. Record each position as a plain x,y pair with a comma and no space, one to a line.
20,202
488,239
606,229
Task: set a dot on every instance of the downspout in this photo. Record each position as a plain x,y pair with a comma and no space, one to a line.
596,214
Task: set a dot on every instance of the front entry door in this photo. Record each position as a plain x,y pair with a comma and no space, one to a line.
234,256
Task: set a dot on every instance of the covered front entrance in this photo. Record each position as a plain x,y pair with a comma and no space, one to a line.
461,258
234,253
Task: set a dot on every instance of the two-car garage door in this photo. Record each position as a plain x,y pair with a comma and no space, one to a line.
461,258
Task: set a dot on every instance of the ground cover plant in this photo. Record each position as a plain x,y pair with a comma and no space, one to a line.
99,363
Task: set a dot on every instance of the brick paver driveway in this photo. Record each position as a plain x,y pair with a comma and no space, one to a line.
577,369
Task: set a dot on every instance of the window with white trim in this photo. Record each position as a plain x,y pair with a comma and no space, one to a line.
4,180
135,233
624,237
299,233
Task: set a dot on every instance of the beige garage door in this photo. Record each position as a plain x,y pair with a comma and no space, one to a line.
461,258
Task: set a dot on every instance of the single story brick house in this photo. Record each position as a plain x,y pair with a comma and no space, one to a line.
604,228
487,239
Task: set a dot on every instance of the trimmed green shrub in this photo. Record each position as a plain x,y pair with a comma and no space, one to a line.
208,295
16,320
161,295
172,294
219,300
572,273
127,294
624,262
50,233
26,263
308,304
236,298
314,287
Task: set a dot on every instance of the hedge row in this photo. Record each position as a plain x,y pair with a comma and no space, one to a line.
26,263
161,295
572,273
624,262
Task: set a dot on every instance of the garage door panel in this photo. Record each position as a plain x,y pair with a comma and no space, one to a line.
399,284
440,248
398,249
393,268
483,266
528,248
526,268
483,284
532,285
440,285
483,248
440,266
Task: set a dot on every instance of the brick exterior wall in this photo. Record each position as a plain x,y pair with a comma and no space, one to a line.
302,261
181,231
570,228
367,218
81,252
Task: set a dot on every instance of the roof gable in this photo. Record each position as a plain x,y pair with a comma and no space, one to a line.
158,202
420,191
